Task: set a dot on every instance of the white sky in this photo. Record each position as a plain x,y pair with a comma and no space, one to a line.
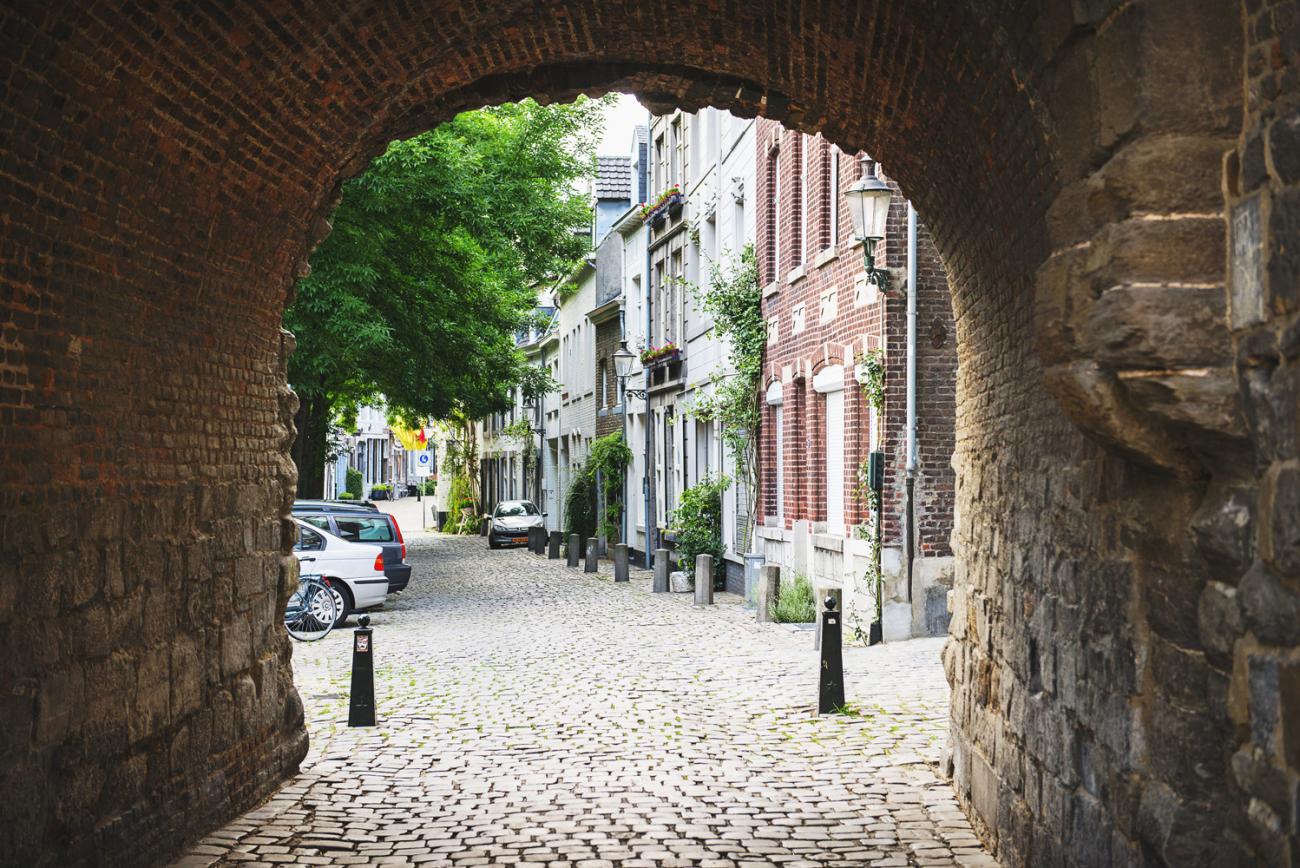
619,121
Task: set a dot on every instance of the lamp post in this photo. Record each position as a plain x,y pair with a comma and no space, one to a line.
868,200
622,369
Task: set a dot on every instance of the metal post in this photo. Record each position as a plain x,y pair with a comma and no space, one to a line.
361,705
574,543
620,562
661,571
553,553
704,580
590,565
830,693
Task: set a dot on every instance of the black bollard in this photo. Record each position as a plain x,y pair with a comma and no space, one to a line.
830,694
574,544
361,708
553,553
540,548
534,544
590,565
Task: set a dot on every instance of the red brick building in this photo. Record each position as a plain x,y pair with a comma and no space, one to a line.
818,427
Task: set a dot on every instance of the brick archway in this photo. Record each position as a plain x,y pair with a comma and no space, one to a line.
165,177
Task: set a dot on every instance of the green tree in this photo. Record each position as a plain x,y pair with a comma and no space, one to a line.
735,301
432,266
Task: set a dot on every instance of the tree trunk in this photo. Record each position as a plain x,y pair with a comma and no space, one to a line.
312,422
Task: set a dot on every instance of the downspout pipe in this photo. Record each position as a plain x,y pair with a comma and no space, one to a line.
910,541
648,485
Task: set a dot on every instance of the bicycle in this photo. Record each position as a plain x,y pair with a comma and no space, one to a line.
312,610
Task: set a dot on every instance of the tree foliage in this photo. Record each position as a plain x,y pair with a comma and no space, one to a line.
697,525
434,259
735,301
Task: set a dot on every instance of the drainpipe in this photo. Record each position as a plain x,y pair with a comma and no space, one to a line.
910,540
649,484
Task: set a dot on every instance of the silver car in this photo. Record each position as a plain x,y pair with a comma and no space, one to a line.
511,521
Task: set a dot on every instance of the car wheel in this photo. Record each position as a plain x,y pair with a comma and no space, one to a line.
493,544
342,599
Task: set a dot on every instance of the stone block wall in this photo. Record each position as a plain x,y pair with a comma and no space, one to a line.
1249,613
1122,647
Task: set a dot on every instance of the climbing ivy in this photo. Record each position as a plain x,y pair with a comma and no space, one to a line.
610,457
735,301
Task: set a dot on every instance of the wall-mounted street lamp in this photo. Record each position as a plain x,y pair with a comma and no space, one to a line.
622,369
868,200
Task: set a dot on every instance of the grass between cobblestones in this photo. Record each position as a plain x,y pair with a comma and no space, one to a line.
530,714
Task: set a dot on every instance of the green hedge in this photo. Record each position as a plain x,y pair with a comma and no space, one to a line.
356,485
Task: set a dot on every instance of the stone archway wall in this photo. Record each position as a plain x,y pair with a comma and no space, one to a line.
165,174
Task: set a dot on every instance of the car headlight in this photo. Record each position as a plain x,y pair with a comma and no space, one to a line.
500,528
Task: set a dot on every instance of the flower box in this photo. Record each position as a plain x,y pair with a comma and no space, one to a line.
659,355
669,203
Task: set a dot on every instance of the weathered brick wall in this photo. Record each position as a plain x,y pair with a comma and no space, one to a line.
163,176
608,334
792,358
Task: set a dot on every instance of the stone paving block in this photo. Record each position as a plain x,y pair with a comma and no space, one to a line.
534,715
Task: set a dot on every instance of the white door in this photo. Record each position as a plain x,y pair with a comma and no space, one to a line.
835,462
779,422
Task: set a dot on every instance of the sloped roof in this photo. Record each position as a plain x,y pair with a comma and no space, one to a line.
614,178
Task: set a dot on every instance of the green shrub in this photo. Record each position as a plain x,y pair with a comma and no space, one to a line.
697,526
384,487
580,507
347,495
429,487
460,498
610,458
795,603
356,485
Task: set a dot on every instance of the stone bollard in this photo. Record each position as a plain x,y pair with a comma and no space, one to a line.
573,549
704,580
557,538
592,547
620,562
753,563
661,571
539,540
361,703
485,526
769,585
830,688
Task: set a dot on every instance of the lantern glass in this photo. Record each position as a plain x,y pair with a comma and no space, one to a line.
868,200
623,361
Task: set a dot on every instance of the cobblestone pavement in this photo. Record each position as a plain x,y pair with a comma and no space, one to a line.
533,715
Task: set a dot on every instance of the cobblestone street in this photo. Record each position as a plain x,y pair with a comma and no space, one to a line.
533,715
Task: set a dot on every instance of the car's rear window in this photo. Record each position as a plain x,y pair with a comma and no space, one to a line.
360,528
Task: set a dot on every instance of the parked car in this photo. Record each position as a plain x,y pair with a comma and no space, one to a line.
361,521
511,521
354,572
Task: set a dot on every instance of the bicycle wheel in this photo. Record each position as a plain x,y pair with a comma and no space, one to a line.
311,612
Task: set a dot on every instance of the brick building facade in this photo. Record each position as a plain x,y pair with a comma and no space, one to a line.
818,427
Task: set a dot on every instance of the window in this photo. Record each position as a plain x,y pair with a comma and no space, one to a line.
360,528
833,200
320,521
677,142
515,508
774,216
602,400
801,204
661,162
308,541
